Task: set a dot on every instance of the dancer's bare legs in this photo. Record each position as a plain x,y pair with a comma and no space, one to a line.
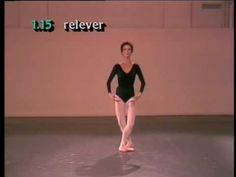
120,109
129,126
129,142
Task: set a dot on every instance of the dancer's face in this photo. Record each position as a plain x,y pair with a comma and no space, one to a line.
127,51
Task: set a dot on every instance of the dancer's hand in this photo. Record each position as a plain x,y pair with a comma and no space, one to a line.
136,97
113,97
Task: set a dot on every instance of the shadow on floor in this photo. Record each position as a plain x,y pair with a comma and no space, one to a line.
114,165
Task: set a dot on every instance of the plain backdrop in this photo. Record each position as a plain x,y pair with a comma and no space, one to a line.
185,52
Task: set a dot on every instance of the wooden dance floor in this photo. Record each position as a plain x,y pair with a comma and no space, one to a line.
166,146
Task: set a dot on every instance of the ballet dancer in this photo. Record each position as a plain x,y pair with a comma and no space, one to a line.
125,98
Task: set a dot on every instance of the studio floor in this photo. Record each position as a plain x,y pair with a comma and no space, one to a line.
166,146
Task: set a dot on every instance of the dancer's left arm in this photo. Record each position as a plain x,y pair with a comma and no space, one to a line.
141,78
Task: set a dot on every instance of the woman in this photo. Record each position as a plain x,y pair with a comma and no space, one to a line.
125,97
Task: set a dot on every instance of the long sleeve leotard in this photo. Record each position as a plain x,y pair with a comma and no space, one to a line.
125,89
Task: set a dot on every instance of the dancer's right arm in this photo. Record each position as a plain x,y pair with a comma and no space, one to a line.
109,80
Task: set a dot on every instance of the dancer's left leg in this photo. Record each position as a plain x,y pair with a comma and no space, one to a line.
130,124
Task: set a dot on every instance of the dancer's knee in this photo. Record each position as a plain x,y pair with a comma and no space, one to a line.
130,125
121,124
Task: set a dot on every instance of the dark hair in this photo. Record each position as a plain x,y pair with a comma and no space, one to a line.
127,43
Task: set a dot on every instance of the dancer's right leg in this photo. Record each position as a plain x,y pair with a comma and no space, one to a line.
130,124
120,114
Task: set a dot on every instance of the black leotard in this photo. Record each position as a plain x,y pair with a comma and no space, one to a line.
125,89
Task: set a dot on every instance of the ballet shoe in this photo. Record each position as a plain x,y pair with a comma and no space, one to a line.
123,150
126,149
130,149
130,145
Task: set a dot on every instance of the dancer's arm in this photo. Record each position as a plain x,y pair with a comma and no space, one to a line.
141,78
109,80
